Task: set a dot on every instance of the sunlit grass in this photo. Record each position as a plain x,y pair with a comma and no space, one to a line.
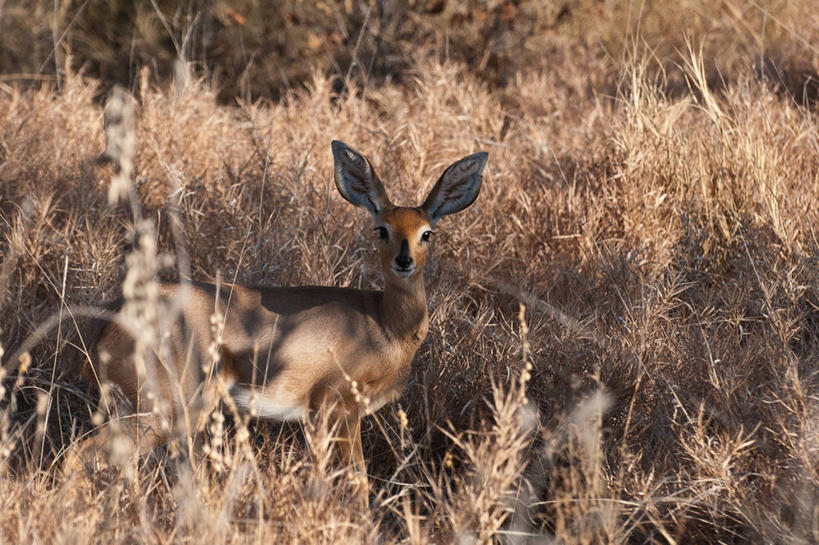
661,385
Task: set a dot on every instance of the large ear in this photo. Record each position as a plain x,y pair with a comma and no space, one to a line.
458,187
356,180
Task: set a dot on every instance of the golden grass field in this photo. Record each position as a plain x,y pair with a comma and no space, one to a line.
645,243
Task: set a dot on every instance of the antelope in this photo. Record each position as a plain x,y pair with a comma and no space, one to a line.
285,352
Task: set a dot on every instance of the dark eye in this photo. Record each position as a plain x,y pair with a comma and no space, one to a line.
426,236
383,234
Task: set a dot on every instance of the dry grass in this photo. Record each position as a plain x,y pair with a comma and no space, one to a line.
654,210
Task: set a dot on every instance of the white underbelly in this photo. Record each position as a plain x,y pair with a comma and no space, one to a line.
265,405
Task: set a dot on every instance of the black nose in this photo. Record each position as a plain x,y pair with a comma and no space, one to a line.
404,261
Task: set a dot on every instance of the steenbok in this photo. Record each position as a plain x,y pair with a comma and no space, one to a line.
285,352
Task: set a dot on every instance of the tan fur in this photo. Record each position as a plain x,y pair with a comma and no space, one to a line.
285,352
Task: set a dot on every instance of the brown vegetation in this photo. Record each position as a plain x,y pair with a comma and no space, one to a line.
651,203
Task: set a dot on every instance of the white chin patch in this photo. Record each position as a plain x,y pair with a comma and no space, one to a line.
401,273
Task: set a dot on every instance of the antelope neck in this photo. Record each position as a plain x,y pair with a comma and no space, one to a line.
404,305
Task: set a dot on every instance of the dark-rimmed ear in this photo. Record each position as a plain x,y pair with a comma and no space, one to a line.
457,188
356,180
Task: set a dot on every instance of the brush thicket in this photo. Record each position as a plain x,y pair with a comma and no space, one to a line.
656,217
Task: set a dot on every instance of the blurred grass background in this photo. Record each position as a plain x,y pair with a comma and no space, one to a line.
252,49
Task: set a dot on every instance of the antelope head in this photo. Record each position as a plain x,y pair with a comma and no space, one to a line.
406,232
